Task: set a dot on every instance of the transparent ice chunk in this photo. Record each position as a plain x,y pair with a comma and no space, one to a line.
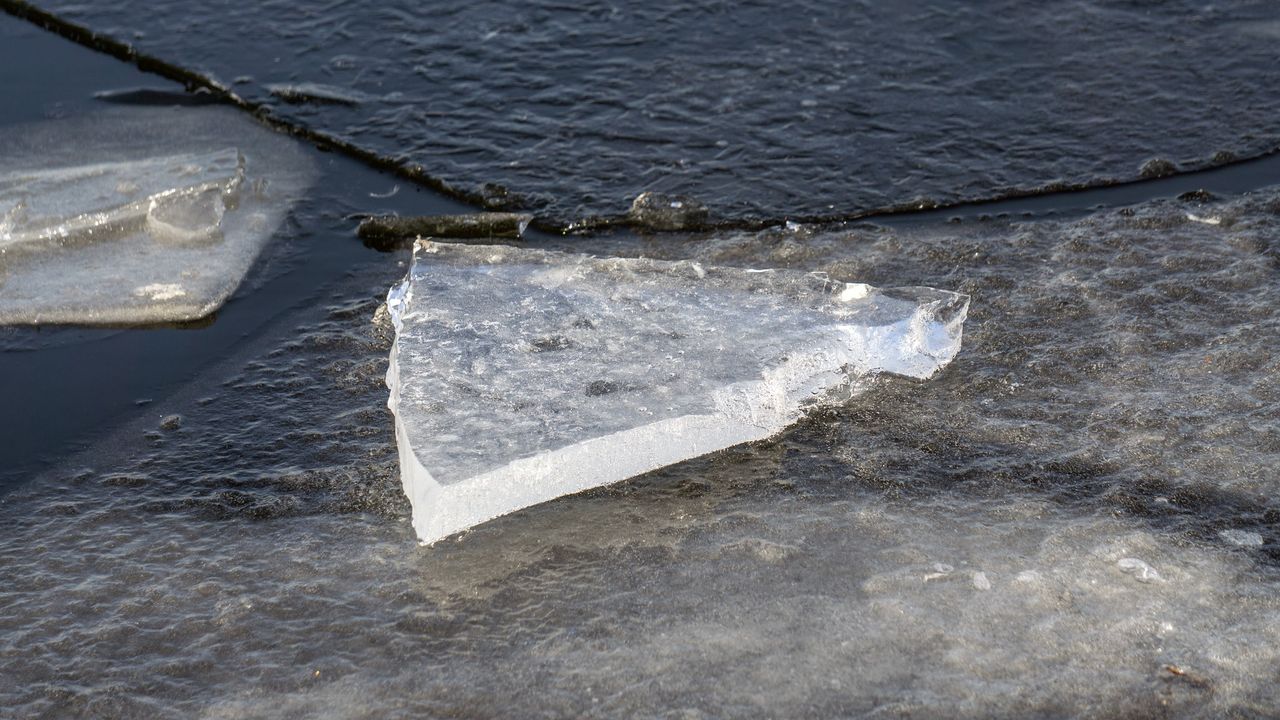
520,375
139,215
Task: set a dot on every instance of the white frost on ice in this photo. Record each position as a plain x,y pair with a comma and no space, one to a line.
1204,219
518,376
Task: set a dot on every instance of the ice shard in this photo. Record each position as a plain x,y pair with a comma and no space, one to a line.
138,216
518,375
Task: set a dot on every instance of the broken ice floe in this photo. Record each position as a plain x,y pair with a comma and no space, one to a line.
518,376
138,215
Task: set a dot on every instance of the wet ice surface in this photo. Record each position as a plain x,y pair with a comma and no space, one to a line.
138,216
1077,517
65,206
518,376
826,108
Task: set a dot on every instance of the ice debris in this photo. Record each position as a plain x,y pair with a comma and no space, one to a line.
1139,569
518,375
655,211
316,94
387,232
1204,219
1157,168
138,215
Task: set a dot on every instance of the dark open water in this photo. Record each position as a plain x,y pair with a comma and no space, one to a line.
1077,517
814,108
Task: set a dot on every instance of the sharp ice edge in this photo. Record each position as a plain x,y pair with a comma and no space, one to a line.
397,297
837,333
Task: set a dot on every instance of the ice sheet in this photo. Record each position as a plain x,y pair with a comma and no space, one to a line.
138,215
1118,396
518,375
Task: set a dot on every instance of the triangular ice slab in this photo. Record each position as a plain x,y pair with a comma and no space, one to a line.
134,218
518,375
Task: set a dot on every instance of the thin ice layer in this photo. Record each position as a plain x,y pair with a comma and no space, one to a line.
138,216
518,376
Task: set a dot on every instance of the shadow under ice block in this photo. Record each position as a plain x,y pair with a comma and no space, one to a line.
518,376
140,215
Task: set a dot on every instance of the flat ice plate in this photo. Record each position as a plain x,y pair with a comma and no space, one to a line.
136,216
519,375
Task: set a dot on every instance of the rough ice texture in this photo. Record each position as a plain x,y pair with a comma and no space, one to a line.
519,375
138,216
1118,396
826,107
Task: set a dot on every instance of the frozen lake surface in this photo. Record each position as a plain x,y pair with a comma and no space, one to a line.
1077,516
1056,521
824,108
